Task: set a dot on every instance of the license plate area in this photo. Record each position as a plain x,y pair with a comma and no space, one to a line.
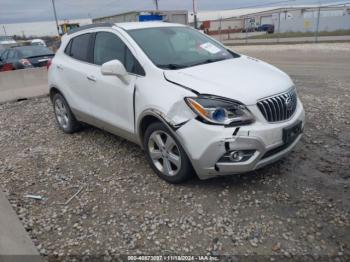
291,133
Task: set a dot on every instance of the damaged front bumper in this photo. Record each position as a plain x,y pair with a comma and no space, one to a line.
209,146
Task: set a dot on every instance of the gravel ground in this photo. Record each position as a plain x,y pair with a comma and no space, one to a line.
296,208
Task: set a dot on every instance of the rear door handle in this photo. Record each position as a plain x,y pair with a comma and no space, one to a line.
91,78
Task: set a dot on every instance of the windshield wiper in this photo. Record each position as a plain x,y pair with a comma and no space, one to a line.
172,66
208,61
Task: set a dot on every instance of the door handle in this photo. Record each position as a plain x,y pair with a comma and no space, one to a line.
91,78
59,67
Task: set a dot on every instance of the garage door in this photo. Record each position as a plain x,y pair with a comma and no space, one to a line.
179,19
266,20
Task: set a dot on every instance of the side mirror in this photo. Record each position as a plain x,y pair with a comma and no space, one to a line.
116,68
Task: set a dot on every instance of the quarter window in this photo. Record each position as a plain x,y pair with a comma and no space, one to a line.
68,47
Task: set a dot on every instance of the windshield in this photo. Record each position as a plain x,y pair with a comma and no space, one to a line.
29,51
179,47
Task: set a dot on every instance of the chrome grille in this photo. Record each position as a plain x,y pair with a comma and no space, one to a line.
279,107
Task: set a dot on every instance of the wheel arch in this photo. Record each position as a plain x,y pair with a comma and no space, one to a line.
53,91
145,120
150,116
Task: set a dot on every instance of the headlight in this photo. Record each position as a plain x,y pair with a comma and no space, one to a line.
219,111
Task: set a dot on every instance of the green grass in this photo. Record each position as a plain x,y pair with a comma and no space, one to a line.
301,34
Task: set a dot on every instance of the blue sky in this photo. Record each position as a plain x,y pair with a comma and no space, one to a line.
18,11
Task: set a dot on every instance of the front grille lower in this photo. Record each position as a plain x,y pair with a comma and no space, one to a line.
279,107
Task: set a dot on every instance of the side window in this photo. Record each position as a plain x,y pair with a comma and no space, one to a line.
68,47
80,47
108,47
4,55
11,54
132,65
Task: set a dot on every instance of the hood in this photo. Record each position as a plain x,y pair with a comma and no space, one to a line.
243,79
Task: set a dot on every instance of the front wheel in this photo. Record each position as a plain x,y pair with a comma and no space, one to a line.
166,155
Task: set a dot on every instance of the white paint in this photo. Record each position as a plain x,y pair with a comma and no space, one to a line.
108,102
266,20
301,24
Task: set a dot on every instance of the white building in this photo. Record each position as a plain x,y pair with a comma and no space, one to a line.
300,18
173,16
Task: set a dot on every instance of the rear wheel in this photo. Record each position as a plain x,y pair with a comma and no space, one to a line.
166,155
64,116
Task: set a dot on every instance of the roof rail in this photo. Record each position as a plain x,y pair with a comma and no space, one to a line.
88,27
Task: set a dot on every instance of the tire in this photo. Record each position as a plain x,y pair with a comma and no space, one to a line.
166,155
64,116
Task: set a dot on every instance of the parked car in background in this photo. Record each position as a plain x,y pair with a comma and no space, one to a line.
7,40
187,100
270,29
22,57
38,42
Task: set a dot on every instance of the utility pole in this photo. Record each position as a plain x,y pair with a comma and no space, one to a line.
3,26
54,11
317,24
279,26
195,22
157,6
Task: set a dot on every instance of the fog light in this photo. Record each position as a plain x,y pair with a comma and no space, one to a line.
236,156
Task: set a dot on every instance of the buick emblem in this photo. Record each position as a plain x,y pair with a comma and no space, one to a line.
289,103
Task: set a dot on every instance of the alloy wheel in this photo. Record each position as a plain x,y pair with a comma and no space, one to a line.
61,113
164,153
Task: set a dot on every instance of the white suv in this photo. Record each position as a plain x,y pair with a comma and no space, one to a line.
191,104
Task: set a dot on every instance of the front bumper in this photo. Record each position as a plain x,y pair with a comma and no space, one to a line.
206,144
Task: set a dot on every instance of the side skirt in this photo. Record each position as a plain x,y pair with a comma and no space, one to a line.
87,118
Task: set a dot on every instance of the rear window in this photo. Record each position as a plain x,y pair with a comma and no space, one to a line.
80,47
30,51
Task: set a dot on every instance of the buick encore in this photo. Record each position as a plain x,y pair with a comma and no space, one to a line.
194,106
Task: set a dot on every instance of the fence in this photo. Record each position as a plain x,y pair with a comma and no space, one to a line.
308,24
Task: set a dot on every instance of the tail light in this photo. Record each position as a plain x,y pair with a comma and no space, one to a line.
25,62
6,67
48,64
